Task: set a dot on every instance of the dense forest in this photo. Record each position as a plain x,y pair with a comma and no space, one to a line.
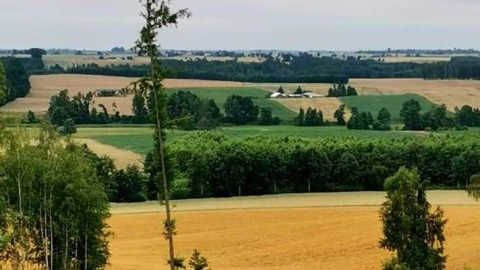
218,166
14,80
304,68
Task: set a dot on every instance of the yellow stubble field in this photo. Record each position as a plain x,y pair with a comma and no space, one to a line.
449,92
297,238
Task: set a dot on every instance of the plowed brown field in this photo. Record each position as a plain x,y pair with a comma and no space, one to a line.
335,237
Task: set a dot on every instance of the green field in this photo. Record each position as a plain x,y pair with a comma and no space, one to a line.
139,139
393,103
220,95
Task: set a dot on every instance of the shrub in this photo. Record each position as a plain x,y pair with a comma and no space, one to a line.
180,189
68,127
130,185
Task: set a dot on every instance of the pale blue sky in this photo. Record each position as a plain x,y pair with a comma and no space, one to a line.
247,24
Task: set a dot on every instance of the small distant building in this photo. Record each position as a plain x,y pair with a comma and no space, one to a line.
107,93
312,95
303,95
277,95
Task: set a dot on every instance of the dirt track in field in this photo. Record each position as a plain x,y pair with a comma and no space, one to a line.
121,157
286,236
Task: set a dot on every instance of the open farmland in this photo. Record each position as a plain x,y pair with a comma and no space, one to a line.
45,86
139,139
393,103
328,106
415,59
449,92
453,93
71,60
220,95
242,238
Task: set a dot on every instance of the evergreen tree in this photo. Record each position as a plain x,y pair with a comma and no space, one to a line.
299,91
410,230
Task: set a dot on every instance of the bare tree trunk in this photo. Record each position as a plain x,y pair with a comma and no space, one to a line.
66,243
162,159
51,229
309,186
275,187
86,250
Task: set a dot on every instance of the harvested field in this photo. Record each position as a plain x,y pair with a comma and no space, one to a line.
45,86
449,92
327,105
275,232
121,157
421,59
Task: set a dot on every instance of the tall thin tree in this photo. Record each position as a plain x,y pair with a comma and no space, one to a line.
158,15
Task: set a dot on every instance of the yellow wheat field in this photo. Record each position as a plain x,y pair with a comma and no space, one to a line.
449,92
291,238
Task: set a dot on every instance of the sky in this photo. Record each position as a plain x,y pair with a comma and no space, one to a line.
342,25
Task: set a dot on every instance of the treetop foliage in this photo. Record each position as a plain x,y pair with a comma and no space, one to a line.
410,229
54,208
341,90
264,165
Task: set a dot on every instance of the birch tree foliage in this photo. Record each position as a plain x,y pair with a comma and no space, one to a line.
54,208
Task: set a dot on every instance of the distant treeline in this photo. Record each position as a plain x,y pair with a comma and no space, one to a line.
217,166
14,80
457,68
300,69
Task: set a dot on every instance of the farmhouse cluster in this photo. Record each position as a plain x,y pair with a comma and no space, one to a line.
299,93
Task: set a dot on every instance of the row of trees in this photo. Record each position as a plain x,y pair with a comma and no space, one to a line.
219,166
14,80
184,110
365,121
310,118
464,68
341,90
436,118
